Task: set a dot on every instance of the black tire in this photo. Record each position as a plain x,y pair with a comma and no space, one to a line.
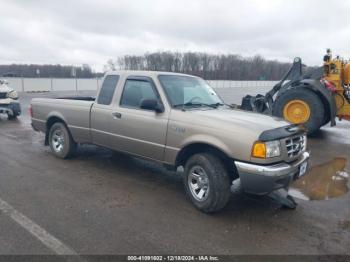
12,117
219,192
59,130
317,110
326,119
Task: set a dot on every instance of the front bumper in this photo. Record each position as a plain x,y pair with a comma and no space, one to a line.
258,179
13,108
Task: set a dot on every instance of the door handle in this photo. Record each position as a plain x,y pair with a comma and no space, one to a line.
116,115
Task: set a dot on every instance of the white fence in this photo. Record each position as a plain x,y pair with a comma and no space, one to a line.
243,84
82,84
230,91
53,84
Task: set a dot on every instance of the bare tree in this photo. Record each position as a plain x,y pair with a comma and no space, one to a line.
111,65
208,66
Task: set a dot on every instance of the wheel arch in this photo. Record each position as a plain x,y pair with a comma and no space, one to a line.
202,147
50,121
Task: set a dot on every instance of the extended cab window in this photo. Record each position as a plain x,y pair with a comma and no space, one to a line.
135,91
108,89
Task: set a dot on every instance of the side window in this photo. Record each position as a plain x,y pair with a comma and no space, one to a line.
135,91
107,90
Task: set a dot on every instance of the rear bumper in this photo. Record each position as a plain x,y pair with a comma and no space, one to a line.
258,179
14,108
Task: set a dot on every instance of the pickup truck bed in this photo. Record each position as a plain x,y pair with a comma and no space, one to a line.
74,112
83,98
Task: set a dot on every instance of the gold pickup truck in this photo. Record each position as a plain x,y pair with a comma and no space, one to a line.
178,120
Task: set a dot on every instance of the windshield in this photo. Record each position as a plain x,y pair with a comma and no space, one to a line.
186,90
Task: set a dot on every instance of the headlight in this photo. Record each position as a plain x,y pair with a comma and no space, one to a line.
12,94
266,149
273,149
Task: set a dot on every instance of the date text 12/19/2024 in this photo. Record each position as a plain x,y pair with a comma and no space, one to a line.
173,258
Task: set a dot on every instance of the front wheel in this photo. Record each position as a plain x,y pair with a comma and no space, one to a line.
12,117
207,182
16,111
61,141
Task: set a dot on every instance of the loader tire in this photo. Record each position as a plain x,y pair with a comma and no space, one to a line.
300,106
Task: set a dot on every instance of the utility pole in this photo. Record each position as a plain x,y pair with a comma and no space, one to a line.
74,74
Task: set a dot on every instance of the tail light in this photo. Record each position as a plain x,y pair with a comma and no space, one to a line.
329,85
31,111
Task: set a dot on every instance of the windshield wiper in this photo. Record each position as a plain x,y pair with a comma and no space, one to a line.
215,105
218,104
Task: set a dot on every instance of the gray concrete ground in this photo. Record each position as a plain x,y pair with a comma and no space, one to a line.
100,202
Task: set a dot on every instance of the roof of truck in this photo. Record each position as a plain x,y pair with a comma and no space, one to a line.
144,73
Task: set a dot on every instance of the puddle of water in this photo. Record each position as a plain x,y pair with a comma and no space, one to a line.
325,181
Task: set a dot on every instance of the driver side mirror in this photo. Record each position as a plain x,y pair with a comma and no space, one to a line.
152,104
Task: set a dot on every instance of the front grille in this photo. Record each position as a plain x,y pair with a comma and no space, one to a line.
3,95
295,145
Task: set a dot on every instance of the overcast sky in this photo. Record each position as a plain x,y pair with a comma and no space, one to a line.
84,31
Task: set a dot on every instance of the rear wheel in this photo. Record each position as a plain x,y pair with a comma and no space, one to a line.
61,141
207,182
300,106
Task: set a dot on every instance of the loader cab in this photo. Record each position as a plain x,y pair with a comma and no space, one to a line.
333,69
337,73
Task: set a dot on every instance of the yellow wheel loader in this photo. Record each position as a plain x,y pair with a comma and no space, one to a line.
313,99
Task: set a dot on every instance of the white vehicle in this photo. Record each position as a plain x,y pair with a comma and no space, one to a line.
9,101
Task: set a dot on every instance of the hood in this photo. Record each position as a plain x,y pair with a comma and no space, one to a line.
230,118
4,88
